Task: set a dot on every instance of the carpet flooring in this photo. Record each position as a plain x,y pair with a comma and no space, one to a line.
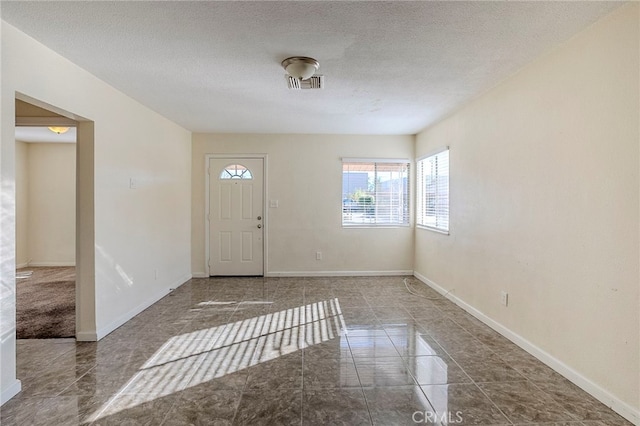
46,303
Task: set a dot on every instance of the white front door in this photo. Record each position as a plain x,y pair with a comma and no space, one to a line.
236,216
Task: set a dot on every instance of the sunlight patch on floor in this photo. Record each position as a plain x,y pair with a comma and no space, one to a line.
191,359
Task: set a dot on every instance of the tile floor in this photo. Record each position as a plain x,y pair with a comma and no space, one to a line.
284,351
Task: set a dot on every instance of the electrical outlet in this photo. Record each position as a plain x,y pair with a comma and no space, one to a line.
318,255
156,274
504,298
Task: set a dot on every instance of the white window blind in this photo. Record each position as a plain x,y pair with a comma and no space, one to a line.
375,192
433,191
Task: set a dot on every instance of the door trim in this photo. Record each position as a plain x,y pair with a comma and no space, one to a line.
265,185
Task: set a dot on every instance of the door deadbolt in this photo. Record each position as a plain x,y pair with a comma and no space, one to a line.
259,217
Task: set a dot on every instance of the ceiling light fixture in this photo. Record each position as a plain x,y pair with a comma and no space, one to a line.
59,130
300,67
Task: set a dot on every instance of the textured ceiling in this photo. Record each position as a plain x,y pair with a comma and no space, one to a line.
390,67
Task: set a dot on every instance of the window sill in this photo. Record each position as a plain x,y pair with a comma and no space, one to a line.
366,225
430,228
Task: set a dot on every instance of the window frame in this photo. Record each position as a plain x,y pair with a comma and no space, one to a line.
236,176
407,164
421,190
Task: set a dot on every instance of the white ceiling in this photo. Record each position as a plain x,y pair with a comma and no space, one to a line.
390,67
44,135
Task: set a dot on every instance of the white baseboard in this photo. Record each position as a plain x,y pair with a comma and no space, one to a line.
601,394
51,264
11,391
324,273
337,273
104,331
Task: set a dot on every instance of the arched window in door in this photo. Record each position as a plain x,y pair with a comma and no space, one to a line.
236,171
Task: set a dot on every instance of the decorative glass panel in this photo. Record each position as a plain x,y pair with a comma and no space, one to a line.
236,171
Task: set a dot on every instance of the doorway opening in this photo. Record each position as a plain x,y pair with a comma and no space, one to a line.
55,276
45,223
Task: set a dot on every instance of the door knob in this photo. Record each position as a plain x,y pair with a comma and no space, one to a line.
259,226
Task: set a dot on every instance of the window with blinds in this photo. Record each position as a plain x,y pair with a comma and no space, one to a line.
432,202
375,192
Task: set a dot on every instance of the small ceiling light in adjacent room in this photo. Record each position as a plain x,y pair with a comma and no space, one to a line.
300,67
59,130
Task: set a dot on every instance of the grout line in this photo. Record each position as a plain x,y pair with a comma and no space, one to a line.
308,294
456,362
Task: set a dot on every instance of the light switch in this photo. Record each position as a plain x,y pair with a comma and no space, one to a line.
273,204
133,183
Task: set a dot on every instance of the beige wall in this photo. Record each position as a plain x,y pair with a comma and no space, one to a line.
304,174
136,232
45,204
22,204
544,205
